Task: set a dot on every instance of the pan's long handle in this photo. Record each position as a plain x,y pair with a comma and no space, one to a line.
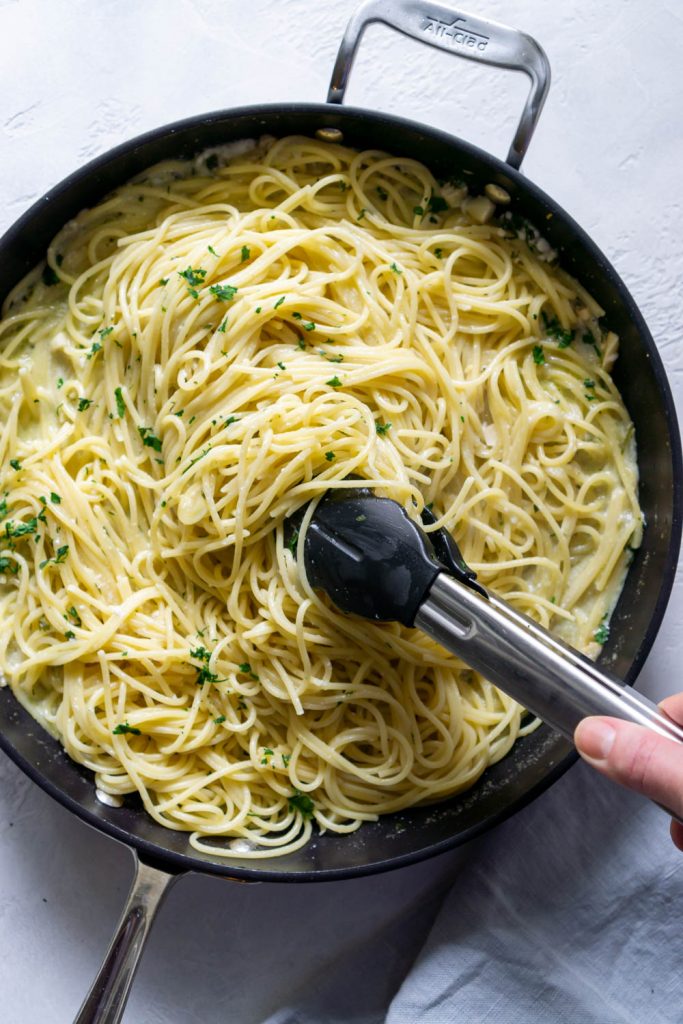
549,678
107,997
461,34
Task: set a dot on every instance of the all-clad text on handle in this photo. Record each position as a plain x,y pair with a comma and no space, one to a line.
461,34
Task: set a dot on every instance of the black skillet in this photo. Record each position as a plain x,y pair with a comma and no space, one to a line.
537,760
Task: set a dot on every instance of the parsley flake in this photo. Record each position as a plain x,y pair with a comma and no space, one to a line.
149,439
279,302
330,456
436,204
223,292
302,803
539,357
246,668
193,276
334,382
601,634
61,556
382,428
245,253
125,728
396,269
120,404
15,464
84,403
555,330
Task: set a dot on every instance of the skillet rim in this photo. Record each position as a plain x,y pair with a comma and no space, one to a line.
333,115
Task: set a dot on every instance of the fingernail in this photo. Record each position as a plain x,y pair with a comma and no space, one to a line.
594,738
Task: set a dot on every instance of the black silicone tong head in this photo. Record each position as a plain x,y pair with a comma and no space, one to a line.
372,559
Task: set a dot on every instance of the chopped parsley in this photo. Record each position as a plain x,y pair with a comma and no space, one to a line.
279,302
125,728
15,464
438,253
539,357
149,439
282,366
222,327
330,456
286,758
104,332
49,277
396,269
200,654
361,214
418,211
223,292
70,635
334,382
382,428
219,720
120,404
204,675
302,803
213,251
197,457
245,253
193,276
436,204
163,282
588,339
7,565
13,529
84,403
338,358
309,326
293,541
60,382
246,668
60,557
267,752
74,616
3,508
554,330
94,349
601,634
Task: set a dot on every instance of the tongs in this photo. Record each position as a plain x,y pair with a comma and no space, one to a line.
373,560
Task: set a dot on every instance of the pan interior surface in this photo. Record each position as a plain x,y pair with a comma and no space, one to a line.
536,760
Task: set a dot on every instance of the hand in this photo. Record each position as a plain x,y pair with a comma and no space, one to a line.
638,758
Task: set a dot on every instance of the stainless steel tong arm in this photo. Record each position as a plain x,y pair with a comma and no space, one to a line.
524,660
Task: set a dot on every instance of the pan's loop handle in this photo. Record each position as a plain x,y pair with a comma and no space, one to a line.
462,35
107,997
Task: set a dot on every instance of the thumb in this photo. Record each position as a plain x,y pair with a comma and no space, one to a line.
635,757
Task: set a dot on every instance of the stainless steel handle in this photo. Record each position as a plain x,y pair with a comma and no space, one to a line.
458,33
549,678
107,997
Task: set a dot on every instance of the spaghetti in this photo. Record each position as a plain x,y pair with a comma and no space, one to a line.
216,344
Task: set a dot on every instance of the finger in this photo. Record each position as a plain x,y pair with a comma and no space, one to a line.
673,707
677,834
635,757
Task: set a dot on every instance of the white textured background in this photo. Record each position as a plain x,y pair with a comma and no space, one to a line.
79,76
